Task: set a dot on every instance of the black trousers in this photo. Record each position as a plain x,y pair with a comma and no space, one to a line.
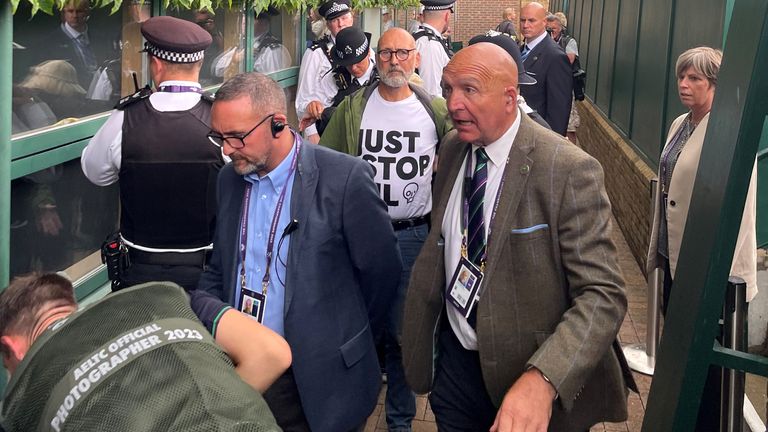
138,273
459,398
283,399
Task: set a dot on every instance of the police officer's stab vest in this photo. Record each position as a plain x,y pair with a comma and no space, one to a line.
168,176
139,361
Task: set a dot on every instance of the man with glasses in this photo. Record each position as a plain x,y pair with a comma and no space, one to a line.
316,87
155,144
434,49
396,127
304,241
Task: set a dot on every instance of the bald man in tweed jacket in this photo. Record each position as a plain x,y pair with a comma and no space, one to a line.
552,297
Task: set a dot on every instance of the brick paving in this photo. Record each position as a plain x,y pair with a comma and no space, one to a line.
632,331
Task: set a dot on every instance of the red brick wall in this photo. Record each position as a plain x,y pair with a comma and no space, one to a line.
473,17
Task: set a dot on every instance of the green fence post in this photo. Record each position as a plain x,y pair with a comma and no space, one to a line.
6,56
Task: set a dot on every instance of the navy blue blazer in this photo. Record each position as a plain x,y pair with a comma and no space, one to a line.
342,273
552,94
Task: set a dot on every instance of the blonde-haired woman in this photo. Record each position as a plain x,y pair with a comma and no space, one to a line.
696,71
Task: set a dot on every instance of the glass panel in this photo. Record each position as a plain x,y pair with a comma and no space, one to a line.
275,41
75,63
59,220
224,58
290,98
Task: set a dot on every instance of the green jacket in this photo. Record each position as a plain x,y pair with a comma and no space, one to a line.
343,131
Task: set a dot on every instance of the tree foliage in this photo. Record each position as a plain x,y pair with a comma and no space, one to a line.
49,6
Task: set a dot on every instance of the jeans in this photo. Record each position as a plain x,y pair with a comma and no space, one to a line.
400,402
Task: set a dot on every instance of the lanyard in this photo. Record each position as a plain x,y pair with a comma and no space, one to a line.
465,208
273,225
179,89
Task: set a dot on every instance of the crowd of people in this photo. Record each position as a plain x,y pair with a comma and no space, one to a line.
427,218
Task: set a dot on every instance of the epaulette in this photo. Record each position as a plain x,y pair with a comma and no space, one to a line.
208,96
321,43
128,100
423,31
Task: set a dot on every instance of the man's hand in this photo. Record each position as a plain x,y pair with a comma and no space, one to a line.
315,109
306,122
527,406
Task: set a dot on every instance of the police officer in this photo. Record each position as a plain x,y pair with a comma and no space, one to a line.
354,68
434,48
269,54
155,144
316,82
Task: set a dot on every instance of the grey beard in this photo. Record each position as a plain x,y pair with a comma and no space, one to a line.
391,79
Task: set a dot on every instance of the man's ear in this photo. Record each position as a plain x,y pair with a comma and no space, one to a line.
16,348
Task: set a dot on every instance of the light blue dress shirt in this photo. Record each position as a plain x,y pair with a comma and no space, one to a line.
265,193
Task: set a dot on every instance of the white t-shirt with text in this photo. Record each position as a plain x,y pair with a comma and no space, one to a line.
399,140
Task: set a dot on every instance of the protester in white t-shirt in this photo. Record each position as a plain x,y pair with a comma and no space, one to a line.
396,127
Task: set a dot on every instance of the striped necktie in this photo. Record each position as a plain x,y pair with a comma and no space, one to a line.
476,228
524,53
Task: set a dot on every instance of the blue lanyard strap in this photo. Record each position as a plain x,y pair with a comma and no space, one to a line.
273,225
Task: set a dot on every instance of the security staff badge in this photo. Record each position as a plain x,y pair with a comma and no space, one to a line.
253,303
464,287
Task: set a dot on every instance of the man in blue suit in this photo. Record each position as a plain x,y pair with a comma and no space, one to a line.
321,265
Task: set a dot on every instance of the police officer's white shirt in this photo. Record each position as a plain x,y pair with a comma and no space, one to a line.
315,83
535,41
102,156
433,60
325,88
270,59
498,152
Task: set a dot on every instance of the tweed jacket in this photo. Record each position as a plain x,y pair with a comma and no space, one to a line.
552,297
744,264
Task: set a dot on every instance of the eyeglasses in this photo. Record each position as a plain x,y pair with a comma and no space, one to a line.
402,54
234,141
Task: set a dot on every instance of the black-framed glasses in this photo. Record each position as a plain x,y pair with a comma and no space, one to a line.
234,141
402,54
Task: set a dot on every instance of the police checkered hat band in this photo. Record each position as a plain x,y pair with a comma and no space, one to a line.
173,57
336,8
437,5
348,50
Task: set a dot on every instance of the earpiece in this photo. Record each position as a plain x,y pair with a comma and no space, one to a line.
277,126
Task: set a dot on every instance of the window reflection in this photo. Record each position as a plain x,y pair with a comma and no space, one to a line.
58,218
74,63
223,58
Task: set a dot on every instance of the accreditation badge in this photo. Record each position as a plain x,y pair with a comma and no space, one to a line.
253,303
464,286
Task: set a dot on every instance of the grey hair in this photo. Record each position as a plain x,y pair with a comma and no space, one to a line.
703,60
559,17
266,95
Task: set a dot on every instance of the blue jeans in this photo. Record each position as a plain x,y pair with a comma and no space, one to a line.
400,402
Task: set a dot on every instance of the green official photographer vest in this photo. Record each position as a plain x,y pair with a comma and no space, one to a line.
138,360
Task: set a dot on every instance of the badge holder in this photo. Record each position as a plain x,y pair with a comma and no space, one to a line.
253,303
464,286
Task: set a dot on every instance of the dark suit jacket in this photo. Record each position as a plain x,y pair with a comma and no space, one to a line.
552,296
343,270
551,95
59,46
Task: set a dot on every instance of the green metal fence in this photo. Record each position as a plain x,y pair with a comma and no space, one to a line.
629,47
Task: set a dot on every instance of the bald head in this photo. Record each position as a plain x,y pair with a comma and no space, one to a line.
486,60
533,20
480,88
398,36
